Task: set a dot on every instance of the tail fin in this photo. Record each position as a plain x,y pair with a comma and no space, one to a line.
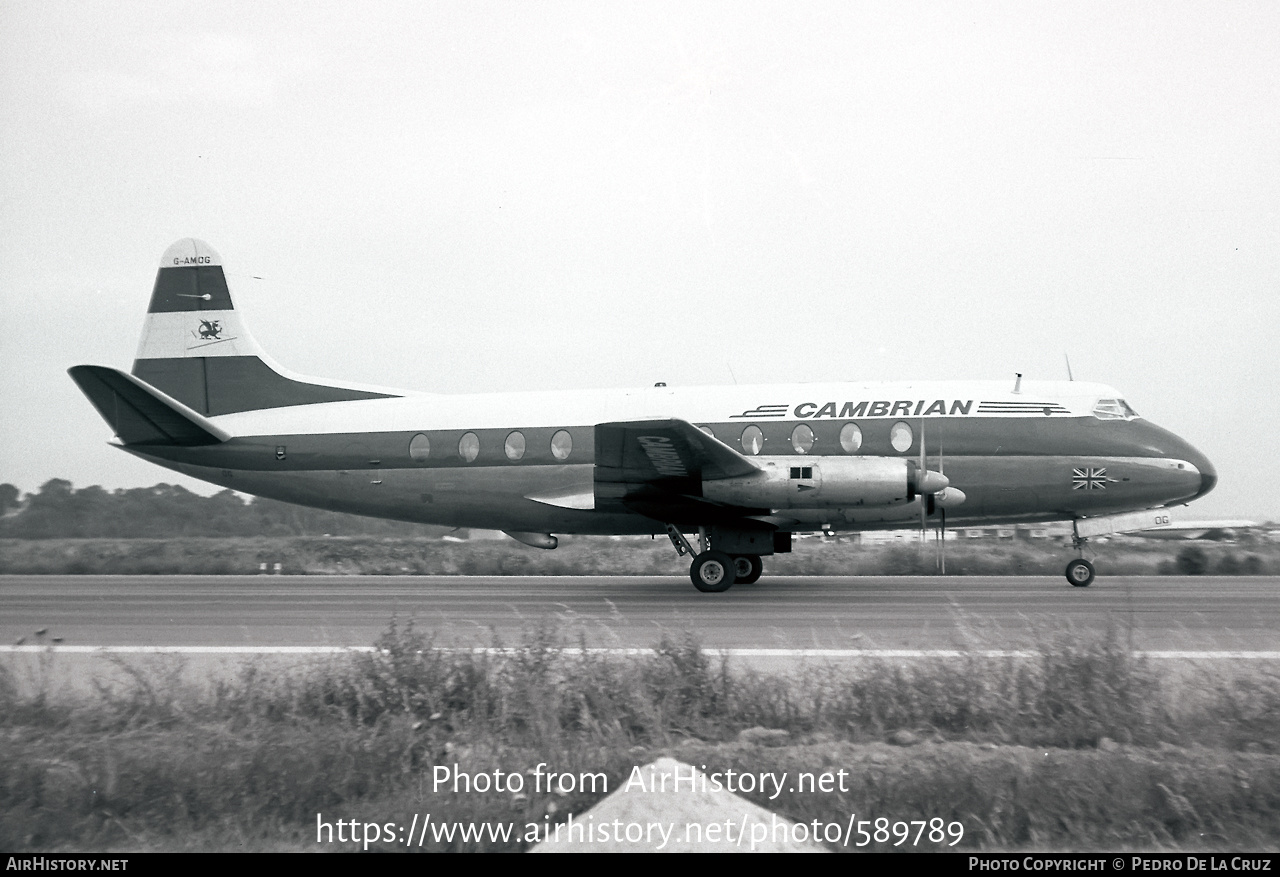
196,350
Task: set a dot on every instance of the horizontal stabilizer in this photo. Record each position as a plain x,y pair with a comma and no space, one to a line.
139,413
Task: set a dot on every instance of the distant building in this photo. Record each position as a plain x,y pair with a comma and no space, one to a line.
1006,532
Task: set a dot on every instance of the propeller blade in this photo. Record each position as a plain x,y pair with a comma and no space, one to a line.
942,540
920,478
942,517
924,459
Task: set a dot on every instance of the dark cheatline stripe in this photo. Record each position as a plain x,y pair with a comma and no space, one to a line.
183,289
216,385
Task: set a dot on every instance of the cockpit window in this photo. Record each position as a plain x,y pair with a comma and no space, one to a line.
1113,409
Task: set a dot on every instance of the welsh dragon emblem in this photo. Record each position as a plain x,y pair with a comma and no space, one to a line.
210,330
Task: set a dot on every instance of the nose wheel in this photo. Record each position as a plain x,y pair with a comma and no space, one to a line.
1080,573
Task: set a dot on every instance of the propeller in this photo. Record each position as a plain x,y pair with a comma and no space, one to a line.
928,484
936,494
942,516
921,468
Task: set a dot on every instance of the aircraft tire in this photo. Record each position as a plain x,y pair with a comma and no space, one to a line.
747,569
1080,573
712,572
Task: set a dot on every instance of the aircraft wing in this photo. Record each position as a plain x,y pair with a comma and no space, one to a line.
1159,524
656,467
1211,530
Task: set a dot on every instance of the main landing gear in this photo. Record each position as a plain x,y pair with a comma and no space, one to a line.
716,571
1079,571
747,569
713,572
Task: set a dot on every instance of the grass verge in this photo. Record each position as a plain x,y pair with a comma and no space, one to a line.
597,555
1082,747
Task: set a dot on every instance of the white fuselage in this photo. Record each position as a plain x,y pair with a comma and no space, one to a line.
1037,454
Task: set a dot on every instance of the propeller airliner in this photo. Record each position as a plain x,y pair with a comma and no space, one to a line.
737,469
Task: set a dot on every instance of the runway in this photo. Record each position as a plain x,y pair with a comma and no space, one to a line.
842,613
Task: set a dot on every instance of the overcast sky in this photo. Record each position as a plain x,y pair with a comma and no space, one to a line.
473,197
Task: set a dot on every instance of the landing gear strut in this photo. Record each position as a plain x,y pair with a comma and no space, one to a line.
1079,571
714,571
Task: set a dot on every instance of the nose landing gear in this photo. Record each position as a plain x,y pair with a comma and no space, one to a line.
1079,571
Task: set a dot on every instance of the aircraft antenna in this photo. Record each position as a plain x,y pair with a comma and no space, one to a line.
1070,377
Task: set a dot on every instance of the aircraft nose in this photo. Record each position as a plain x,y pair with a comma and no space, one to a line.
1208,474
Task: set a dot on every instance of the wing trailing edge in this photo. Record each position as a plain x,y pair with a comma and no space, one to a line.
657,468
664,452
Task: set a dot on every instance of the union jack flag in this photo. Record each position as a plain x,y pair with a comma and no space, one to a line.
1089,478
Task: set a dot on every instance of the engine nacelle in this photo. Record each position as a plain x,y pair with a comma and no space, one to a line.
826,482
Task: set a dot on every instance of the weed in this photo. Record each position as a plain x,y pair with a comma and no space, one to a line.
1122,756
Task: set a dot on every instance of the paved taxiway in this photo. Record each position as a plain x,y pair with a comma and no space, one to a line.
1201,613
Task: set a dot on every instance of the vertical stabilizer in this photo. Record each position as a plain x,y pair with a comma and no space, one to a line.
196,349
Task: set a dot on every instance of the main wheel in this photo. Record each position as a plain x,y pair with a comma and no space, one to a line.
747,568
712,572
1080,573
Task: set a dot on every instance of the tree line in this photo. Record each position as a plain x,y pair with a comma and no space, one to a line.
60,511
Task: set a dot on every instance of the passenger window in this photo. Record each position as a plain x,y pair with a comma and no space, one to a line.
850,437
514,446
901,436
469,447
752,440
707,430
802,439
561,445
419,447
